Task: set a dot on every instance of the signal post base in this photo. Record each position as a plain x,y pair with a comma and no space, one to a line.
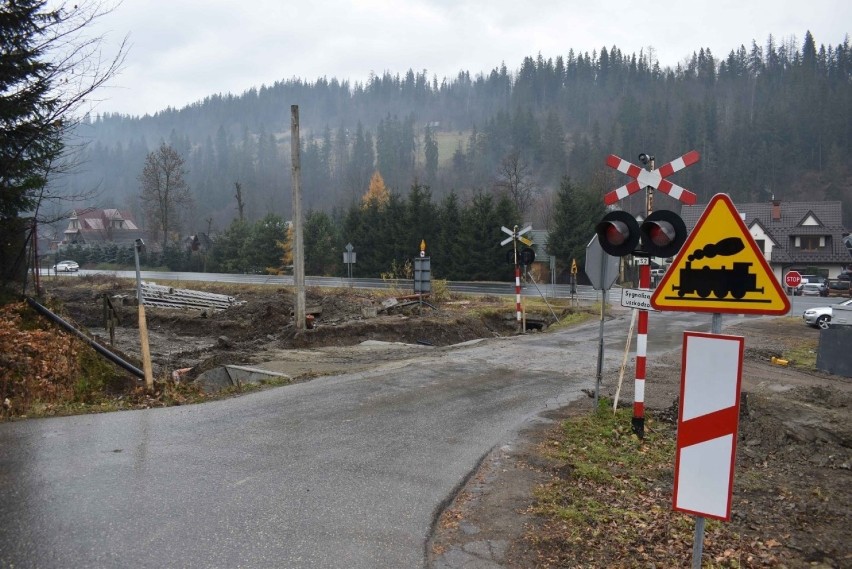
638,426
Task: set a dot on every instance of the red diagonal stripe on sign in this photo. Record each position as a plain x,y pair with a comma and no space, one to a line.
623,165
707,427
687,159
633,171
622,192
613,161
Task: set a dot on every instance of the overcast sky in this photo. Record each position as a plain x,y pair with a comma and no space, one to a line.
184,50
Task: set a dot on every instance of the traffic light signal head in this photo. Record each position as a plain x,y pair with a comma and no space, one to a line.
662,233
618,233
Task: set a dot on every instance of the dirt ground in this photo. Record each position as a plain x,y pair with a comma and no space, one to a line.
261,327
792,484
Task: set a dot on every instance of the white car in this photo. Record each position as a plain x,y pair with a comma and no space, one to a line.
811,289
66,267
820,316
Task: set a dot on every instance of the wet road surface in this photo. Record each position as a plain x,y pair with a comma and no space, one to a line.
344,471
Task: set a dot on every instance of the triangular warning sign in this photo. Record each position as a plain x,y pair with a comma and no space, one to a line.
720,269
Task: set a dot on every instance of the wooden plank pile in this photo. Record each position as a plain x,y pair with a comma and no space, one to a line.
169,297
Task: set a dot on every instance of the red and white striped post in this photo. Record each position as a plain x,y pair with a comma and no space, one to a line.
514,236
518,288
638,422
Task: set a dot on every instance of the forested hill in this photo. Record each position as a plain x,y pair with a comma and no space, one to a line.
769,120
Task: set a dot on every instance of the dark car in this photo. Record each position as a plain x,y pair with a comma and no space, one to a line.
837,287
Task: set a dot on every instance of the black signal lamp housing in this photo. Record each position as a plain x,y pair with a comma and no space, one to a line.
662,233
618,233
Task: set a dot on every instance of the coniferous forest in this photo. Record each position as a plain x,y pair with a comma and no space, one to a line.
524,145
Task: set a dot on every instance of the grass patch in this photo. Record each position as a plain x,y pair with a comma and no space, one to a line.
804,355
609,502
448,142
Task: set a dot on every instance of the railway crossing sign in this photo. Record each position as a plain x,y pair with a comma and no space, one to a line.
720,269
516,235
708,418
655,178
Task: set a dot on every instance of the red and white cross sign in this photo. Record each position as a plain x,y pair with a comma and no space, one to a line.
707,424
654,178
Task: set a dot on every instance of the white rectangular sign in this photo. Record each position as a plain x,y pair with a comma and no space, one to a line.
707,424
636,298
642,260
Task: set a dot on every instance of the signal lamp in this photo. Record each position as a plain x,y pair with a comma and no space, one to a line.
618,233
663,233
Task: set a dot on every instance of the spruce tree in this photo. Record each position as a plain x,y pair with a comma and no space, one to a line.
573,225
28,144
47,69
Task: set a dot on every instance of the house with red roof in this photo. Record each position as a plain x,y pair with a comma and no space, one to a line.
101,226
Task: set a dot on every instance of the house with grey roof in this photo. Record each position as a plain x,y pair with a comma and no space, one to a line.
792,235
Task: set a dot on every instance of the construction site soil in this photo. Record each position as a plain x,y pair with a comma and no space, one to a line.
792,495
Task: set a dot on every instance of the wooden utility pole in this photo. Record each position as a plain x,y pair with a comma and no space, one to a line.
143,323
298,245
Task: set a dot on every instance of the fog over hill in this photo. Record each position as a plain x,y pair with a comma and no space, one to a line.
768,119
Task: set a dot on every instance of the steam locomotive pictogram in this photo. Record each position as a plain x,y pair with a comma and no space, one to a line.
736,281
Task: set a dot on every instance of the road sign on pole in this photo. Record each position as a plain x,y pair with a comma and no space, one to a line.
516,235
349,258
707,424
793,279
602,269
720,269
654,178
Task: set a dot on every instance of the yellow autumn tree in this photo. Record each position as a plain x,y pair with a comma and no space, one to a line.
286,248
377,194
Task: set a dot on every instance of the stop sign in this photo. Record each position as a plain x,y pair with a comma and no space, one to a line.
793,278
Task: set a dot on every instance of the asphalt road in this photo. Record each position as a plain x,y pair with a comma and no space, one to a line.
344,471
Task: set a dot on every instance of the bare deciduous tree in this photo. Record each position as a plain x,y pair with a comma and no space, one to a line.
241,204
515,177
165,193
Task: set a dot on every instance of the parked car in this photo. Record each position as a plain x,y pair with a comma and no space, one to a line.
66,267
837,287
805,280
820,317
811,289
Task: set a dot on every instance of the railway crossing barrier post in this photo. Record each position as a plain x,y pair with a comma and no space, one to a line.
661,234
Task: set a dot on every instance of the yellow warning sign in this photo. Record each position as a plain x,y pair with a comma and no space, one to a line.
720,269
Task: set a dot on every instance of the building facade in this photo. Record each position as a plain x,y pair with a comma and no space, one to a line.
101,226
793,235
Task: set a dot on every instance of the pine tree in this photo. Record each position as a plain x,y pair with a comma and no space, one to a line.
321,245
430,147
34,111
573,225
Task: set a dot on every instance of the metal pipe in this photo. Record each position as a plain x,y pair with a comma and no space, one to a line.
97,347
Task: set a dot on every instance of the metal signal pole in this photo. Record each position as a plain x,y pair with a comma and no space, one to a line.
638,422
